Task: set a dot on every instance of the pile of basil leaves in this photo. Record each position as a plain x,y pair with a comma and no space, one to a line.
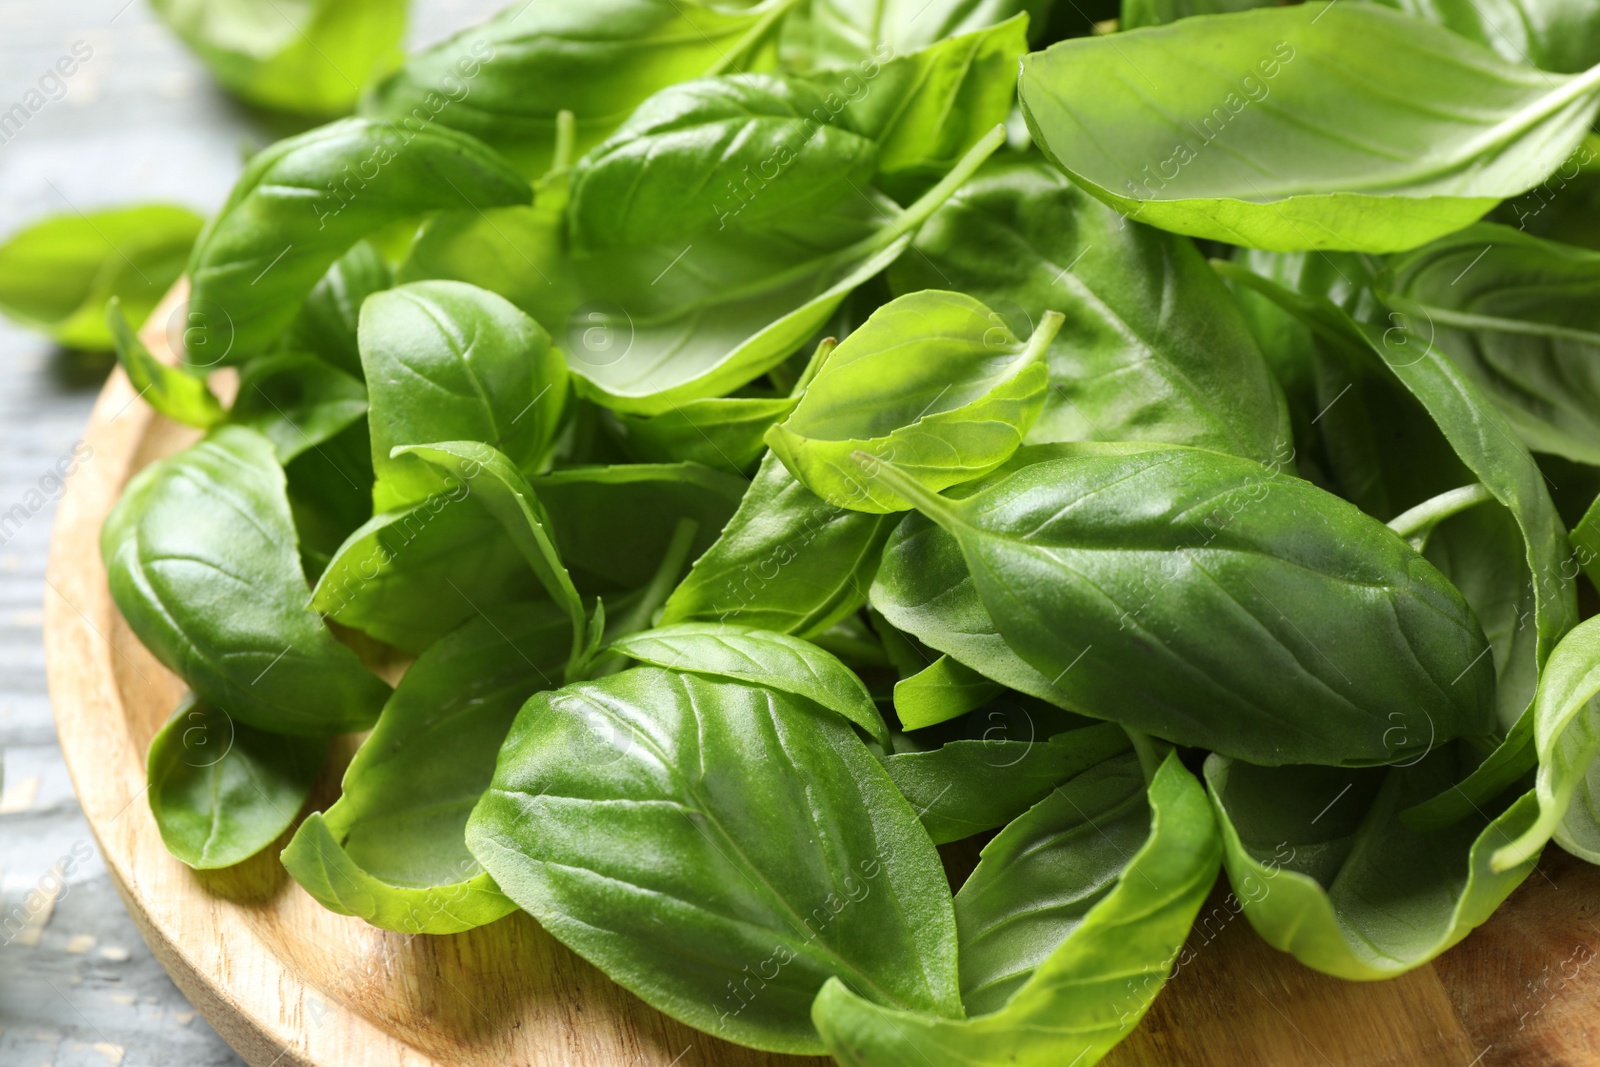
778,442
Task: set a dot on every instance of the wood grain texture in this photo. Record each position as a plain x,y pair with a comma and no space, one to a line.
289,983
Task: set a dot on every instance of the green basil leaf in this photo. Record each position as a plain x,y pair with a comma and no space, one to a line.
172,391
845,31
787,561
1360,895
764,658
1081,835
58,274
506,81
672,322
296,401
1567,737
327,323
392,850
504,493
201,556
1507,309
930,382
632,818
1449,128
925,110
302,203
1090,976
408,577
446,361
222,791
739,150
1153,347
1361,652
943,690
1487,445
1005,758
306,56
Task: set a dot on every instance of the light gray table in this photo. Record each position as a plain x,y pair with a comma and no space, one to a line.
140,121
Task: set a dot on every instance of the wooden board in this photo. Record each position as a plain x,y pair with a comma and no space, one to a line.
289,983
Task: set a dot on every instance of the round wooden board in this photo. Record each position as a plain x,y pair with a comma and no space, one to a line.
288,983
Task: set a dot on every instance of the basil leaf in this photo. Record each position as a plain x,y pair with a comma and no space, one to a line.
296,401
942,690
1487,445
1360,896
1448,128
1364,638
1005,758
408,577
180,396
930,381
58,274
1089,977
787,561
506,81
200,552
447,361
302,203
1153,347
327,323
1503,306
614,524
1567,737
222,791
926,109
738,150
307,56
760,657
704,318
658,787
392,849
